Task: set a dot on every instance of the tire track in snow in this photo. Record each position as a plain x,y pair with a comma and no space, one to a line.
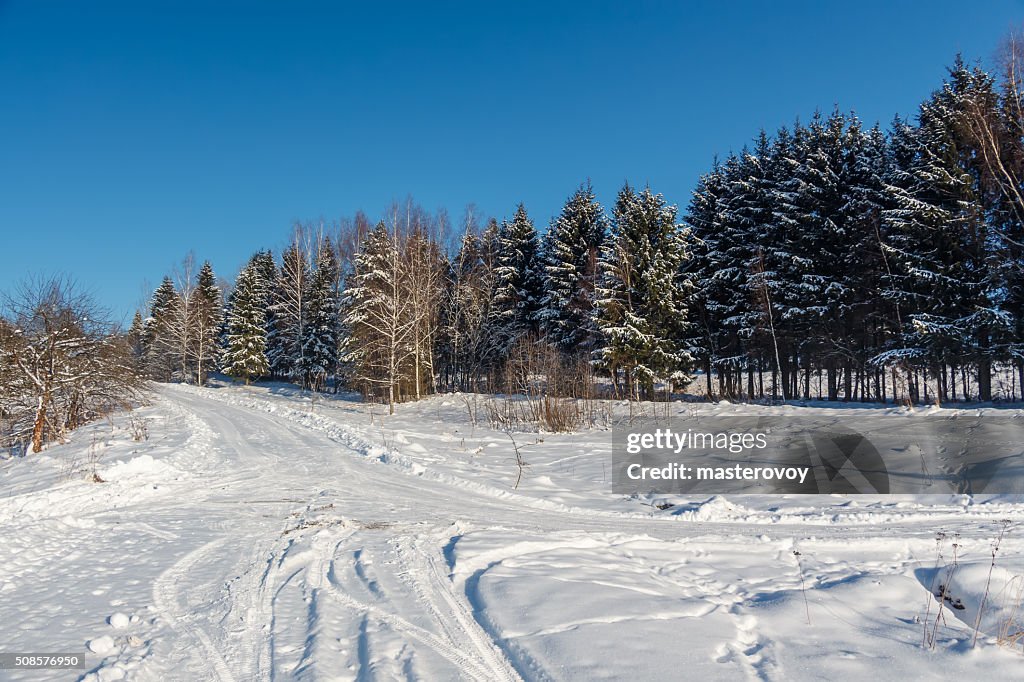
251,605
480,667
455,618
178,617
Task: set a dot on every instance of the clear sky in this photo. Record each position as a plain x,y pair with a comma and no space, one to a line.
134,132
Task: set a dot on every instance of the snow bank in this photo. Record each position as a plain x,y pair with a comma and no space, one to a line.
141,468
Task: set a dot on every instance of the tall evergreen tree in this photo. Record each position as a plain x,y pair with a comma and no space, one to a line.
157,345
704,218
642,295
813,300
720,270
207,321
865,319
571,250
457,312
245,356
319,342
518,281
136,336
941,236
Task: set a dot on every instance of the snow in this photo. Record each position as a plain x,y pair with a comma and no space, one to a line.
101,645
141,467
118,620
262,534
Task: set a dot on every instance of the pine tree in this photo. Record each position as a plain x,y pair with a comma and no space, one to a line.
571,250
642,295
488,346
319,342
811,297
704,219
720,270
519,283
940,239
245,356
865,319
266,272
764,215
208,318
157,347
136,336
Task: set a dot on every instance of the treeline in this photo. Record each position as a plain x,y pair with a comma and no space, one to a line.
828,260
884,262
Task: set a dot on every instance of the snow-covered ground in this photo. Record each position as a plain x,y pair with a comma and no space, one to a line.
260,533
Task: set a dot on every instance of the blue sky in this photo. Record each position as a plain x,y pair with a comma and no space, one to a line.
135,132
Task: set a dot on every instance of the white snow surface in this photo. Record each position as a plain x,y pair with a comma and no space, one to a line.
261,533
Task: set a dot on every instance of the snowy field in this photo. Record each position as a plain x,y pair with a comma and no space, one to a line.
258,534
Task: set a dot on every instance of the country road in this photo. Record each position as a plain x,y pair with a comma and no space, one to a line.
251,540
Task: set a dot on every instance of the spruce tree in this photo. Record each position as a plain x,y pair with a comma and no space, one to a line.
571,250
763,215
245,356
468,344
940,238
704,218
865,317
136,336
208,318
157,350
812,298
643,293
719,271
458,312
518,282
319,342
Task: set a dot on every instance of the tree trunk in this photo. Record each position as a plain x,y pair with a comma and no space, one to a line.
985,380
707,378
416,359
1020,376
38,429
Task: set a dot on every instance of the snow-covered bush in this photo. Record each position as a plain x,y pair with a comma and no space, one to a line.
61,364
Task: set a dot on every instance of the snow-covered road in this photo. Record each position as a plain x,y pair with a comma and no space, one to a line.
253,538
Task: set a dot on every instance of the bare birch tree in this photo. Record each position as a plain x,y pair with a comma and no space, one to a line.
379,315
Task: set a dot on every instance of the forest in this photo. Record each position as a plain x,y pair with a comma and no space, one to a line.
826,260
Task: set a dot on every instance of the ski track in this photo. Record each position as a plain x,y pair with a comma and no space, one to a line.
301,555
